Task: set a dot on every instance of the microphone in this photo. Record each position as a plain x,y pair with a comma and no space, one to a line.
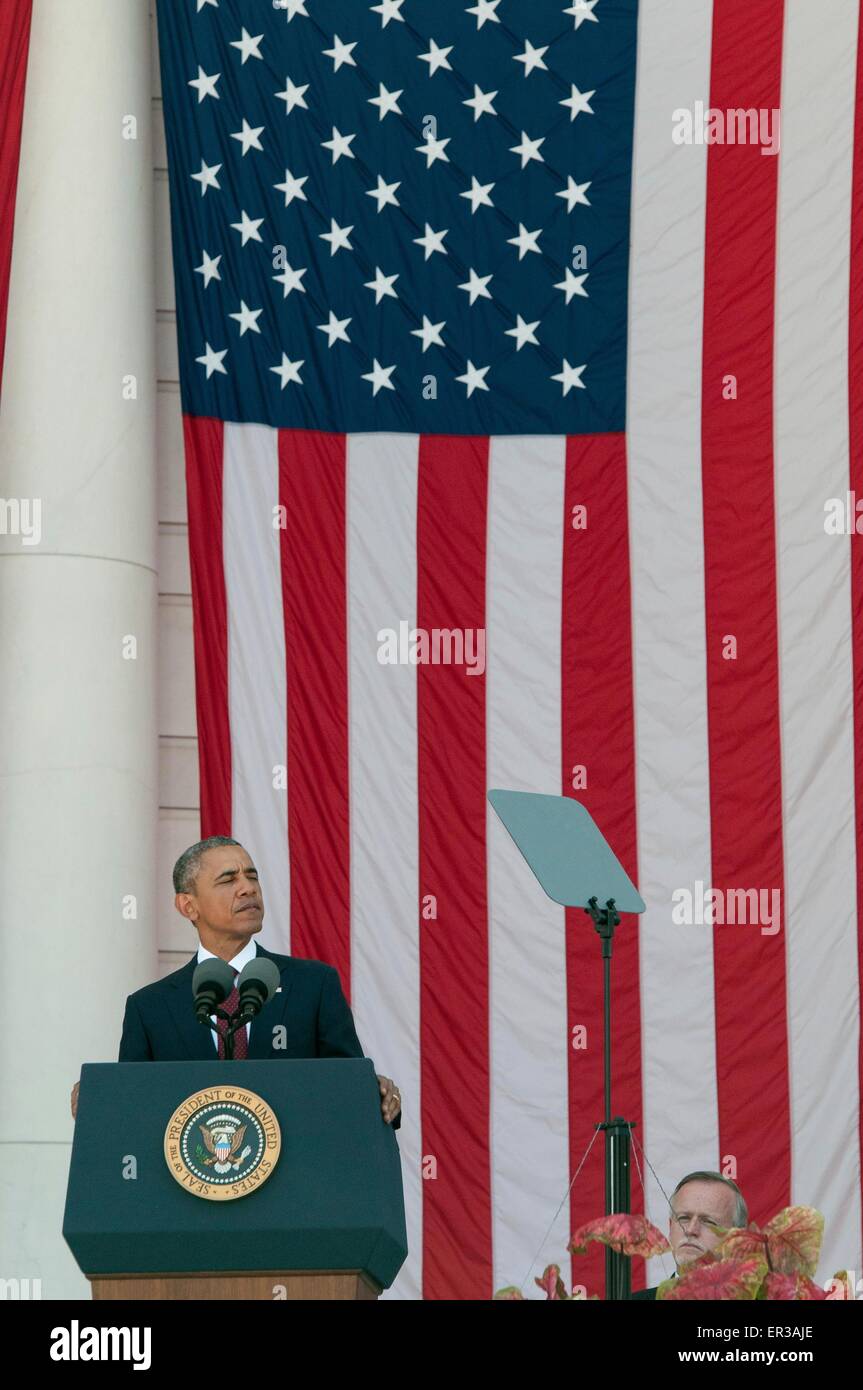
257,984
212,982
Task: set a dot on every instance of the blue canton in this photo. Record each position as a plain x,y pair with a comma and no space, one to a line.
406,216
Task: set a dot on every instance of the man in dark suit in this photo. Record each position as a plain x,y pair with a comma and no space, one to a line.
703,1207
217,891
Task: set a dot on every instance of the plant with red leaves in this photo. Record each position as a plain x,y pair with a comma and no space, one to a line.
775,1263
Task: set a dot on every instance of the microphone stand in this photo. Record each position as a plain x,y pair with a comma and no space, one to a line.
617,1131
253,995
234,1021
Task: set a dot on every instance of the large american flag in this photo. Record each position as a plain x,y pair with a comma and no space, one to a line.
468,341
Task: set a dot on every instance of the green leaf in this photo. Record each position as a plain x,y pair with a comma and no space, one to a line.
794,1240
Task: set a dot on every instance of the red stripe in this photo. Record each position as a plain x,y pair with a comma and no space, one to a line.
451,720
598,733
855,408
740,596
204,456
314,595
15,47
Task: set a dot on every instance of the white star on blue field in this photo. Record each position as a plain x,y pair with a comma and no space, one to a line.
404,216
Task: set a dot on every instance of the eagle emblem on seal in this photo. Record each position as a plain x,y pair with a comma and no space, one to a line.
223,1137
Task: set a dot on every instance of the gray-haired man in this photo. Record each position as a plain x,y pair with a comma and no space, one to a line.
703,1206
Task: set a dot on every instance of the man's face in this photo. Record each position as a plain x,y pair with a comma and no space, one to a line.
698,1210
227,897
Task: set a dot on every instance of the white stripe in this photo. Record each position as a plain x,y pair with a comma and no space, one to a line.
257,691
811,383
385,971
527,939
680,1130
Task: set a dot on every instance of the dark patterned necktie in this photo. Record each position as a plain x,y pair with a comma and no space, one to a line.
241,1042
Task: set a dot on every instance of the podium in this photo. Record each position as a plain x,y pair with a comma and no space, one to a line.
324,1219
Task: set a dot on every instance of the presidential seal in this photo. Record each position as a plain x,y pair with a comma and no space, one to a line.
222,1143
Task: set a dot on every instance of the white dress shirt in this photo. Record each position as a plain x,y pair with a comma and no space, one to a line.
248,953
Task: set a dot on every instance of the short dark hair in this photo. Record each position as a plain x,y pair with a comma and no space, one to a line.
188,865
741,1212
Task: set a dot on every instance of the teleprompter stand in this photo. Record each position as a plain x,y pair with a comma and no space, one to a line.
576,867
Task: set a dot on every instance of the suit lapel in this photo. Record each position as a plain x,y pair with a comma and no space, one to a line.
197,1040
272,1014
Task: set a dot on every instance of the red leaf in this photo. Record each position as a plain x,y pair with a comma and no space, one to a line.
807,1289
742,1243
630,1235
788,1287
790,1243
552,1283
712,1279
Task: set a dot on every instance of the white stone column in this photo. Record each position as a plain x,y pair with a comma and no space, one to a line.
78,734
